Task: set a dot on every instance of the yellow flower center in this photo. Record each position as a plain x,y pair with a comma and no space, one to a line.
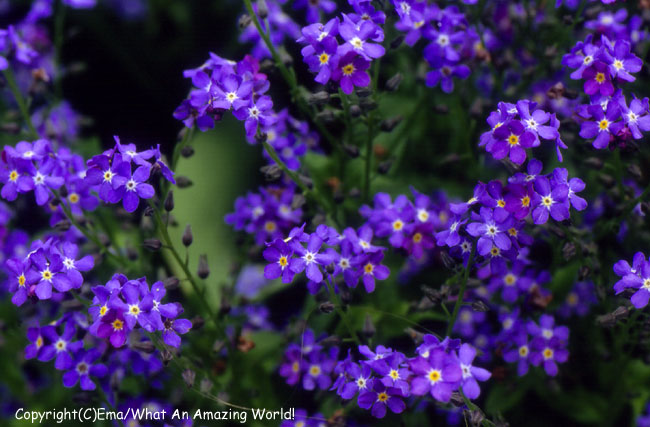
525,201
103,310
73,198
618,64
324,58
501,203
572,298
348,70
513,232
382,397
118,325
21,280
270,226
547,201
523,351
417,238
398,225
283,261
510,279
314,370
39,342
134,310
394,374
435,376
13,176
513,139
603,124
46,275
495,251
295,367
600,77
548,353
368,268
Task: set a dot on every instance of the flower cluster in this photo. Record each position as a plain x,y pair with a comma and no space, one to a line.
122,304
267,215
309,361
49,264
451,39
278,24
356,258
112,174
347,62
67,351
517,127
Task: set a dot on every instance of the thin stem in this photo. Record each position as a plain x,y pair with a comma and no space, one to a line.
22,104
291,174
338,306
461,293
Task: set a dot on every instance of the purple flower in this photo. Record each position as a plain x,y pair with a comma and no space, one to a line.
132,308
370,268
511,138
232,92
102,172
636,117
173,328
133,187
257,112
322,59
639,280
519,353
490,232
82,368
357,36
603,126
598,80
113,327
380,397
60,345
309,258
37,340
351,71
72,266
622,62
471,374
443,73
439,374
47,271
19,284
550,200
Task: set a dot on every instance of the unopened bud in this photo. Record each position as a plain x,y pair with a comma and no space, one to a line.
326,116
187,238
363,92
441,109
197,322
262,9
203,270
166,356
152,244
189,376
355,110
244,21
183,182
206,385
318,98
480,306
389,124
393,83
171,283
568,250
63,225
635,171
326,307
144,346
271,172
367,104
368,329
384,167
594,162
169,201
187,151
351,150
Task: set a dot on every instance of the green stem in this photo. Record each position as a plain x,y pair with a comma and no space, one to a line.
366,181
291,174
22,104
338,306
118,260
461,293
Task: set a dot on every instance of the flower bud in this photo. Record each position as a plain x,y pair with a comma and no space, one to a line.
169,201
326,307
368,329
393,83
384,167
351,150
271,172
262,9
187,151
183,182
197,323
480,306
171,283
187,238
203,270
244,21
144,346
397,41
318,98
389,124
363,92
206,385
189,376
152,244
